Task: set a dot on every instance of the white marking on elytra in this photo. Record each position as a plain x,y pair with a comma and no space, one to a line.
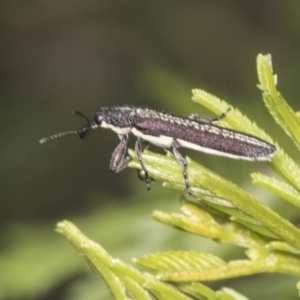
167,142
160,141
221,153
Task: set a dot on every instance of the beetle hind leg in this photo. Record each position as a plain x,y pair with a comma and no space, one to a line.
183,163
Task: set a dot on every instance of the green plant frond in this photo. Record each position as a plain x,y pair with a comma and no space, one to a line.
281,246
278,107
180,260
226,215
230,294
278,187
258,228
190,266
136,290
267,79
283,115
117,288
221,228
121,278
197,289
242,218
95,255
167,169
198,212
163,291
286,167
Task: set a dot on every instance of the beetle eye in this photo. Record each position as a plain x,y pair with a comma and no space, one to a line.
98,119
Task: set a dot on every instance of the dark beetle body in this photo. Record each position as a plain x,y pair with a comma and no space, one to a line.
201,135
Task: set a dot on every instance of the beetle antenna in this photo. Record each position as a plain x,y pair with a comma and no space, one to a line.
80,114
58,135
82,132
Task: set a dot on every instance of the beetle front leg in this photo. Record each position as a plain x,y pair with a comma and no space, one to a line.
118,162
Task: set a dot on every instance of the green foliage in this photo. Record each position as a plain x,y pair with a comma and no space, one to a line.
126,282
218,210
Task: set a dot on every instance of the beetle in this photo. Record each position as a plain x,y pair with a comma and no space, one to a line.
170,131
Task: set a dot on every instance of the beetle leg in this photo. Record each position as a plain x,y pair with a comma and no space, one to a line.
221,116
183,163
209,120
140,145
118,162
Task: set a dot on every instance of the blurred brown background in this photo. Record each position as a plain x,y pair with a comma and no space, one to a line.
61,55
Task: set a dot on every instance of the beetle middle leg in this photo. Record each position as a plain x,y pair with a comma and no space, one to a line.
140,146
145,145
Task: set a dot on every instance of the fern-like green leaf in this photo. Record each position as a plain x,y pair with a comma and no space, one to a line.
200,290
206,185
180,260
121,278
221,228
278,107
278,187
185,266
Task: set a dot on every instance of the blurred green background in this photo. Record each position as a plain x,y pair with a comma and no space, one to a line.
61,55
